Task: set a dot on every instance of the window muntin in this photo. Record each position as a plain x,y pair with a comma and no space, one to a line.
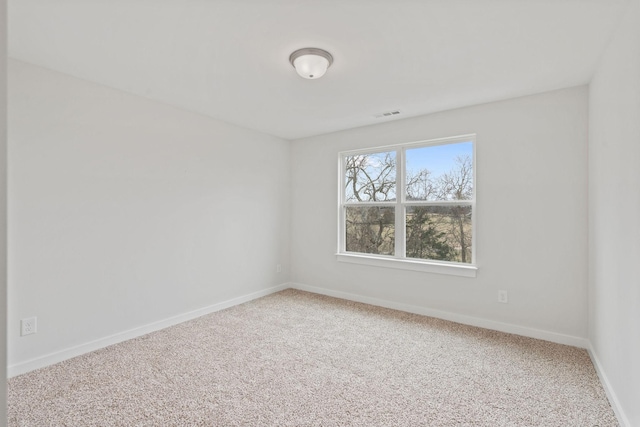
425,215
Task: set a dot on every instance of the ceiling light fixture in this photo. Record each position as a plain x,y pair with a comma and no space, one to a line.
311,62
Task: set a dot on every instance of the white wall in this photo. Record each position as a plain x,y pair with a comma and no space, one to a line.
531,216
124,212
614,214
3,212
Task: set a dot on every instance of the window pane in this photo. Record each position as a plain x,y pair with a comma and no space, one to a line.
440,172
439,233
370,229
370,177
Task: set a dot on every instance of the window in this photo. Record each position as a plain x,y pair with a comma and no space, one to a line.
410,206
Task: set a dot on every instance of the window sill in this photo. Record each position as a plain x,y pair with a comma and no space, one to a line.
408,264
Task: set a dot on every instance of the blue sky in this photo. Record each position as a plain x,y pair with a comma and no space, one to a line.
437,159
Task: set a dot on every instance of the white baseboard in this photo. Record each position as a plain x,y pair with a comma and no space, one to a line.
613,398
453,317
59,356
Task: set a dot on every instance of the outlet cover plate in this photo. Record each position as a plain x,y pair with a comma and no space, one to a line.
28,326
503,297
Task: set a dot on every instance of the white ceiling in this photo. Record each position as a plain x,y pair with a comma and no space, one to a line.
228,59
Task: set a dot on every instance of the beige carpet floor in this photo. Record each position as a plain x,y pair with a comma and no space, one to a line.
300,359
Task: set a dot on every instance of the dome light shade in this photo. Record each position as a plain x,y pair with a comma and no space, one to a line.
310,62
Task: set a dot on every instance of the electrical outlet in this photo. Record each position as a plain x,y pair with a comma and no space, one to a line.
503,297
28,326
278,268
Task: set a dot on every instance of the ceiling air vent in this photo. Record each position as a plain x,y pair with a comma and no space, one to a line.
387,114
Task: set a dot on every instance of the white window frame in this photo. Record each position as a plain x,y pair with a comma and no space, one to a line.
399,260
